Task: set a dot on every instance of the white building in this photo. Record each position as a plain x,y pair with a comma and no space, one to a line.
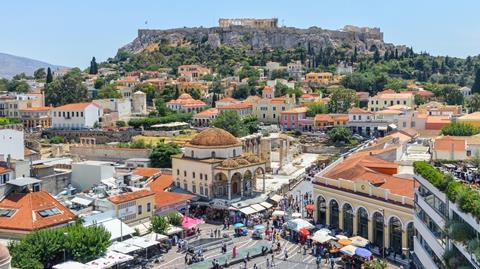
11,142
122,106
432,240
466,91
76,116
139,103
88,173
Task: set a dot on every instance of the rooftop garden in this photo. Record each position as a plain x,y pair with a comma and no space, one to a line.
7,121
461,193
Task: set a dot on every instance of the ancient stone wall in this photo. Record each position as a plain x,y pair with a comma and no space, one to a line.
101,137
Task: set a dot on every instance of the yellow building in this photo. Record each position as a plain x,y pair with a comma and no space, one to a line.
136,206
472,118
361,195
389,98
322,78
268,109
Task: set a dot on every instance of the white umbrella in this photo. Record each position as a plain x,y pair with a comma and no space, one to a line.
322,238
359,241
349,250
296,215
339,236
278,213
324,231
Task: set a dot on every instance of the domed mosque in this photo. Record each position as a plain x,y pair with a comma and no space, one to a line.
5,258
214,166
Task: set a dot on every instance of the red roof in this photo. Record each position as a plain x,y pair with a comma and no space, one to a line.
268,89
40,108
363,166
162,197
208,112
130,196
295,110
76,106
227,99
237,105
449,143
186,100
27,206
146,171
323,118
357,110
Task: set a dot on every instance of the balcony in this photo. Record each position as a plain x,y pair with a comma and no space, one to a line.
428,236
422,254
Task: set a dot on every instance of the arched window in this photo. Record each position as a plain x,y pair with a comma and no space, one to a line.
321,210
213,154
362,222
348,219
192,154
378,231
234,152
334,214
410,233
395,229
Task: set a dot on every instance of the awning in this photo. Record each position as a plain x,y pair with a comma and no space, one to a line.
23,181
113,226
70,265
382,128
143,228
173,230
188,222
297,224
81,201
110,259
248,210
123,247
156,237
392,126
258,207
276,198
267,205
141,242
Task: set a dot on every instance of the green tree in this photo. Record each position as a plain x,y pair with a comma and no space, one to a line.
99,82
230,122
340,135
84,244
451,95
396,84
161,155
376,55
241,91
476,83
67,89
174,219
473,102
341,100
120,123
460,129
161,107
93,67
316,108
159,224
250,123
49,77
217,87
108,91
280,89
149,89
39,74
194,93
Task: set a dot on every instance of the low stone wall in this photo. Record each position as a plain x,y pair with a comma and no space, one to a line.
110,154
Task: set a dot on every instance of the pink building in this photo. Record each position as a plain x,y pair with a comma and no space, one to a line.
290,119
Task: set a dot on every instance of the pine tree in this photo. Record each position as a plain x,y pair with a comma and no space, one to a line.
476,83
49,76
93,67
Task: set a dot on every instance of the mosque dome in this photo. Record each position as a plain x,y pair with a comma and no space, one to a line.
4,255
214,137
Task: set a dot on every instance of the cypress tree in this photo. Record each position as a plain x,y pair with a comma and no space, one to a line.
476,83
49,75
376,56
93,67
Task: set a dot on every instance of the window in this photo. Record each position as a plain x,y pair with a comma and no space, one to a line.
201,176
354,117
185,186
206,191
404,124
334,214
7,212
193,174
49,212
201,190
404,102
178,172
194,188
77,113
213,154
234,153
348,218
398,102
362,222
81,114
140,210
206,177
149,207
184,173
192,154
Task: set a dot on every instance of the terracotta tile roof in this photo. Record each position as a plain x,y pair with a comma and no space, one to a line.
471,116
146,171
386,91
76,106
130,196
186,100
450,143
395,95
438,119
27,206
162,197
280,99
339,117
323,118
388,111
208,112
227,99
237,105
40,108
268,89
423,93
357,110
309,95
295,110
409,131
363,166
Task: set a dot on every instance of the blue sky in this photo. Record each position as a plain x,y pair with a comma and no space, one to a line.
70,32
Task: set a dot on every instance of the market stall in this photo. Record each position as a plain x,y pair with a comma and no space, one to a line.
110,260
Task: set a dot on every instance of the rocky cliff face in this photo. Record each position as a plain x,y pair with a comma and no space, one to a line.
260,38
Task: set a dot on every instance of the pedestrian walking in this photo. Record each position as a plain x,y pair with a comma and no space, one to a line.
273,260
268,263
285,254
332,262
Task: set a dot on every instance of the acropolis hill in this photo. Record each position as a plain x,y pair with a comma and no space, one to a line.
264,33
